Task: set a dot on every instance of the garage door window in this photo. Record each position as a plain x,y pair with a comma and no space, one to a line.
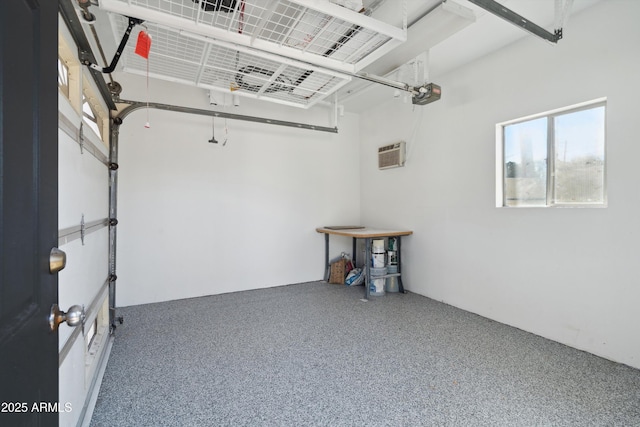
89,117
63,77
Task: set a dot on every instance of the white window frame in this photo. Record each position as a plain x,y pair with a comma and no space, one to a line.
550,115
100,119
81,94
73,90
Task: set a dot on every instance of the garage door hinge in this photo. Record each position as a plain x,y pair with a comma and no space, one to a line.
81,137
82,230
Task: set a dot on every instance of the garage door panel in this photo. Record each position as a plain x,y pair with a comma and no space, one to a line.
83,234
83,184
85,275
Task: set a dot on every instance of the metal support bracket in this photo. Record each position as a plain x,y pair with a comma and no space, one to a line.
108,70
84,57
81,137
82,230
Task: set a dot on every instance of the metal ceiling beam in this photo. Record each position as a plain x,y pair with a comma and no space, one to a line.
353,17
508,15
203,62
390,46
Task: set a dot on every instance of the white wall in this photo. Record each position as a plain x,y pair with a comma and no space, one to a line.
199,219
567,274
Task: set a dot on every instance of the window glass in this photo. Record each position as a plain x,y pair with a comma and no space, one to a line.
556,158
525,162
579,159
63,77
89,117
91,333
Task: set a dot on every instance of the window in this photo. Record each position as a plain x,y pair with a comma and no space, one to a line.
63,77
89,116
91,333
553,159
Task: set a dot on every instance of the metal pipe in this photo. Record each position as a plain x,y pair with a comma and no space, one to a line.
386,82
135,105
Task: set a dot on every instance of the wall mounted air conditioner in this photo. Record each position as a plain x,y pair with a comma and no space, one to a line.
391,156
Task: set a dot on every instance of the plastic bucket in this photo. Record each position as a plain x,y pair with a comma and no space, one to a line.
378,271
392,256
377,260
378,253
377,245
392,284
376,287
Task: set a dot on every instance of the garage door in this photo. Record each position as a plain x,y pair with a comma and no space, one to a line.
83,233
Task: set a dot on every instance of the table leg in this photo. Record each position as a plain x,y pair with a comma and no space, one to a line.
400,286
327,267
367,263
353,252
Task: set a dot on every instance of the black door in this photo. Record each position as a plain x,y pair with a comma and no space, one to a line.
28,211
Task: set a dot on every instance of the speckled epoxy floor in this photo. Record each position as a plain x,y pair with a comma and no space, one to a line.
314,354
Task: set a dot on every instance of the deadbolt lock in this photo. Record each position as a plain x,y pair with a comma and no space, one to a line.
57,260
74,316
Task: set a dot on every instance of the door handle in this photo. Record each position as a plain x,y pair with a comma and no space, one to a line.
57,260
74,316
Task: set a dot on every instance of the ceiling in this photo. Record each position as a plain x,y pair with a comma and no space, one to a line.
303,52
486,34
